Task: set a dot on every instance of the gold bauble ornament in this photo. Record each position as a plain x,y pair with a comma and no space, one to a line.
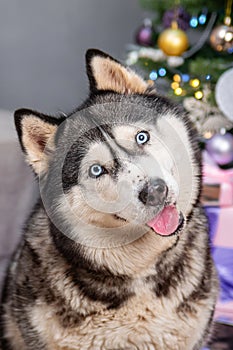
221,38
173,41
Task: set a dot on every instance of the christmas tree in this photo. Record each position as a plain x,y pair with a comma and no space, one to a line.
185,50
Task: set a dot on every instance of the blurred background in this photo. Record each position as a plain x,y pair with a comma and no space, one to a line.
43,44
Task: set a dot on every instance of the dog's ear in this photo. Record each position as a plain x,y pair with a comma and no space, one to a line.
36,133
106,73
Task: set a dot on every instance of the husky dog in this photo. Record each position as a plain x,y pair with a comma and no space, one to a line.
115,254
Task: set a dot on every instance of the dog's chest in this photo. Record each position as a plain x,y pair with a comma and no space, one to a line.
142,323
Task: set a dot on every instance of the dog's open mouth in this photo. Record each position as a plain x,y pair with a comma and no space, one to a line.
168,221
119,218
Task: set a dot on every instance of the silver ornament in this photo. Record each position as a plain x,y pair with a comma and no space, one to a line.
224,93
220,148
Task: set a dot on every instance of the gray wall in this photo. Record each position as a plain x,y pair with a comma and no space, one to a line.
43,42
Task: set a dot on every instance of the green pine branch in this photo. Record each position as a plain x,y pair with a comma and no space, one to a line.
193,7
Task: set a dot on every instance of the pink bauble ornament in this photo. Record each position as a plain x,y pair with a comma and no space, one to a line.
145,35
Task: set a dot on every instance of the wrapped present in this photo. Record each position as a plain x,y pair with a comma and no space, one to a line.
221,236
218,202
217,184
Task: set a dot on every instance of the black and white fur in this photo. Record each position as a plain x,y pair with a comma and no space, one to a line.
89,272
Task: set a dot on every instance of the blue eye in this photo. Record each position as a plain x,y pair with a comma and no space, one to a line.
142,137
96,170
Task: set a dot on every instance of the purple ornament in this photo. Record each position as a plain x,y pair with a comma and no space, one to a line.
220,148
145,35
179,15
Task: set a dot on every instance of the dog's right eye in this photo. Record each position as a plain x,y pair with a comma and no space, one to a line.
142,137
96,170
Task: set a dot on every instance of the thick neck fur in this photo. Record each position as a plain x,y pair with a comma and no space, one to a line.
136,259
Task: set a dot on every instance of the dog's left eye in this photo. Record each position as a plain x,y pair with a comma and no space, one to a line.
96,170
142,137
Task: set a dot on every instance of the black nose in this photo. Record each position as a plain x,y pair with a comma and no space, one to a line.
154,192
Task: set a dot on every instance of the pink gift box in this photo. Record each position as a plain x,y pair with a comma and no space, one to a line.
214,176
218,200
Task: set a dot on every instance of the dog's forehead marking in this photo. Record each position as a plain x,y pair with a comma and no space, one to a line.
129,131
125,136
107,151
100,153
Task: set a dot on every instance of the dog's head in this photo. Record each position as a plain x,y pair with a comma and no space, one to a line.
123,164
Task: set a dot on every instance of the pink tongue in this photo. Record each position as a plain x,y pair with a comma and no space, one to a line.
165,222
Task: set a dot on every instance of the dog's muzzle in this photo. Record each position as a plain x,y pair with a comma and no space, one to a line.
154,192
